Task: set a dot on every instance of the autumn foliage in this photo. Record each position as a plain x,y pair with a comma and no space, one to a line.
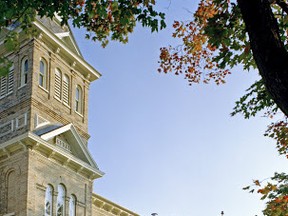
210,45
103,20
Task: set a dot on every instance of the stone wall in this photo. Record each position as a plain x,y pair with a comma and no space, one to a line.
17,104
55,174
59,111
35,100
13,184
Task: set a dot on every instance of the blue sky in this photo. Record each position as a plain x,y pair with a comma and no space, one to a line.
167,147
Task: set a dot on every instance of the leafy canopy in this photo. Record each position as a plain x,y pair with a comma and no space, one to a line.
103,20
213,42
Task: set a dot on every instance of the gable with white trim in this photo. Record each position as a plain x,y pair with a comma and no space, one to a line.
64,33
66,138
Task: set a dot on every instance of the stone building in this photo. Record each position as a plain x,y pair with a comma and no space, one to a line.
45,165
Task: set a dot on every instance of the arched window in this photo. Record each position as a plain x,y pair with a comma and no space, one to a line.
66,89
78,100
43,73
11,191
24,71
72,206
48,200
60,207
58,83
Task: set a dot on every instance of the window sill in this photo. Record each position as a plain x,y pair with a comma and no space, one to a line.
22,86
79,114
58,99
44,89
10,214
67,105
6,95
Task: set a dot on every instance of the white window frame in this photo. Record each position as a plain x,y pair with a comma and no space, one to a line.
72,205
79,100
43,74
61,197
24,71
48,209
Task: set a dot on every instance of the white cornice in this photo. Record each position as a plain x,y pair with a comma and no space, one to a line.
32,141
107,205
93,167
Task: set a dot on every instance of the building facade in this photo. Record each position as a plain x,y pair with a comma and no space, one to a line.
45,165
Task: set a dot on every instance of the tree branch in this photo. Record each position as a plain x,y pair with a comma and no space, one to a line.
269,51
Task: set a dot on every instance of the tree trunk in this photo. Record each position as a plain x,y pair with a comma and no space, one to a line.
268,50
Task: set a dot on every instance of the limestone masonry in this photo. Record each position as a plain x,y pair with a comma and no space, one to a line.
45,165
